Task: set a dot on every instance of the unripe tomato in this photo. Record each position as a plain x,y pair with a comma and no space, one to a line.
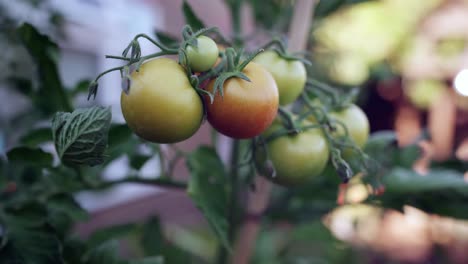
290,75
204,56
161,105
296,158
247,108
356,122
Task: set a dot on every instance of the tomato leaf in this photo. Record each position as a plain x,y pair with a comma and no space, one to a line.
29,238
138,160
38,246
207,188
104,253
30,215
401,180
33,156
114,232
81,136
152,239
119,134
191,18
166,39
149,260
81,87
35,137
440,191
67,205
51,95
153,243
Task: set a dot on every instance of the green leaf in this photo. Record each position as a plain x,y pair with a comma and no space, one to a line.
153,243
441,192
66,204
121,141
137,160
31,246
73,250
406,156
33,156
30,215
207,188
22,85
166,39
35,137
119,134
81,136
324,8
401,180
380,140
51,96
81,87
105,253
110,233
191,18
152,239
382,147
149,260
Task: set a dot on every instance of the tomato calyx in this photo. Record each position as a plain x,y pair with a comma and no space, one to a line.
279,47
289,123
233,68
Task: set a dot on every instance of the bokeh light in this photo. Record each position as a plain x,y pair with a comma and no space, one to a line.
460,82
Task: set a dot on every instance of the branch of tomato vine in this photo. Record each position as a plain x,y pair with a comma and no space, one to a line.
337,143
158,182
279,47
288,120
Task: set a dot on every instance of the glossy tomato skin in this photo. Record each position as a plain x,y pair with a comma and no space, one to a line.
296,158
204,56
247,108
356,122
161,105
290,76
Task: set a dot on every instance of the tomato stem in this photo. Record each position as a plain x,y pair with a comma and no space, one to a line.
324,88
289,122
159,45
241,67
160,181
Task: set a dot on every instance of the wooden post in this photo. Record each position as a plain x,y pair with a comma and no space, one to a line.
407,123
441,124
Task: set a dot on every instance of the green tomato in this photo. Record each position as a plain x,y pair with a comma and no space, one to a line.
290,75
202,57
295,158
161,105
356,123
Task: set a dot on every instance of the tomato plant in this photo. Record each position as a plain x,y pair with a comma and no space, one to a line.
161,106
202,56
306,145
290,74
246,108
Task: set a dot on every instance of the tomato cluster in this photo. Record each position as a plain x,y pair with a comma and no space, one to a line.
162,107
166,101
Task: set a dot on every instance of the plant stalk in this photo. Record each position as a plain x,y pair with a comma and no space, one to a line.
236,7
233,198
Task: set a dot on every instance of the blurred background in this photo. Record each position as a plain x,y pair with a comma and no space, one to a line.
409,59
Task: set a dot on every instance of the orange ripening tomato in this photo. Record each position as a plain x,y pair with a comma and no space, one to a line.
247,108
